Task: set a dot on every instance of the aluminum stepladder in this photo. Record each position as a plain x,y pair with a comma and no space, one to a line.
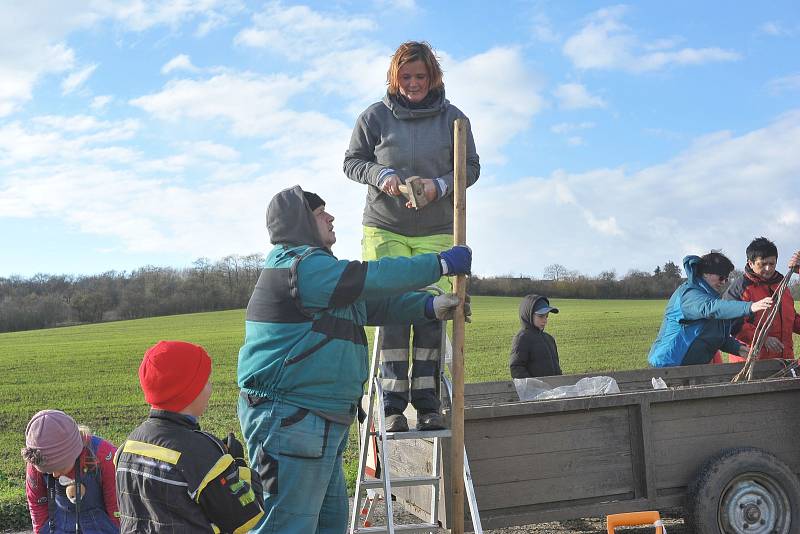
385,483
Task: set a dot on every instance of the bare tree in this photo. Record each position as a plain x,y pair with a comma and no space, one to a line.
555,272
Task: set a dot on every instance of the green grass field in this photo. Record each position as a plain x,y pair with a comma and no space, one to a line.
90,371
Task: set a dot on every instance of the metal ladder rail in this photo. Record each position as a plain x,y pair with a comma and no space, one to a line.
376,390
365,431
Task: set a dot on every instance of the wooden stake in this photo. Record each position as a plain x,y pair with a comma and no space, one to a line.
457,412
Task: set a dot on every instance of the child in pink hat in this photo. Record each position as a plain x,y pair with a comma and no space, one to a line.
61,457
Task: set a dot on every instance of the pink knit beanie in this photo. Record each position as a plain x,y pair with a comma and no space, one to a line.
52,441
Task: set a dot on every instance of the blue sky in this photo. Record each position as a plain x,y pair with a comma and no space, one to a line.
611,136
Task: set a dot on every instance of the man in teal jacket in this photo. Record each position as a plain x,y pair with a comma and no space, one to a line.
303,364
697,322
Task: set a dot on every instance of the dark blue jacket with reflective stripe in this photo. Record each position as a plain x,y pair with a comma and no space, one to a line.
304,332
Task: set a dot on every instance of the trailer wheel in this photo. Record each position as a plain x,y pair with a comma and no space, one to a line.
744,491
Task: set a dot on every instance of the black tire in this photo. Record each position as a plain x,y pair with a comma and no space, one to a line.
744,491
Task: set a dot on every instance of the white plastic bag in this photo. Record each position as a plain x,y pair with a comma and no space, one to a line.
658,383
535,389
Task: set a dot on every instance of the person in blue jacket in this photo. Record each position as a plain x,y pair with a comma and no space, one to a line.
697,322
303,364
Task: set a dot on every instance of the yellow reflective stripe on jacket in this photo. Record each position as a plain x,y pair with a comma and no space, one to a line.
222,464
245,474
250,524
152,451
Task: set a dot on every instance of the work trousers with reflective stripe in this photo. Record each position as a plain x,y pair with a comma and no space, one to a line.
421,386
299,457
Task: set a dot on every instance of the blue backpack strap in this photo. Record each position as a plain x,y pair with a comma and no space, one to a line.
50,481
78,494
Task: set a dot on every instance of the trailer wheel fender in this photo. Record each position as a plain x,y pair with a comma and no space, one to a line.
744,491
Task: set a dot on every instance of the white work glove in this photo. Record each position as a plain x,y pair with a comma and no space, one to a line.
444,307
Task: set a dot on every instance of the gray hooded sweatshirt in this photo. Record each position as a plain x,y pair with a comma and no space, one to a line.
413,142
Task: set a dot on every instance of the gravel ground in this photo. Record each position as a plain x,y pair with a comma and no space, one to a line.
574,526
672,522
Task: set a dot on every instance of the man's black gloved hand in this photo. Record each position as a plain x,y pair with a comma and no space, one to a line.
235,448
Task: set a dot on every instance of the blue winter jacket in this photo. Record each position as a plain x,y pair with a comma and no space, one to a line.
304,332
697,323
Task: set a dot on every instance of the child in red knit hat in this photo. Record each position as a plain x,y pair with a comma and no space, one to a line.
171,476
60,456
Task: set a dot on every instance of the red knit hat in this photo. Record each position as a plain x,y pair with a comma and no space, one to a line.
173,373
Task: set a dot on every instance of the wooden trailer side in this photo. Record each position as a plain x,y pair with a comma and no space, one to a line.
591,456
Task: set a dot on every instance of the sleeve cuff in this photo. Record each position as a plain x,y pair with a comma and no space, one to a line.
441,188
384,174
429,313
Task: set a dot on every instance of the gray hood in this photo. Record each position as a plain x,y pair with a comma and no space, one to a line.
405,113
290,221
526,309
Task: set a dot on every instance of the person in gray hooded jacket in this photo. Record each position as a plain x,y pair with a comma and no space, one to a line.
533,351
409,133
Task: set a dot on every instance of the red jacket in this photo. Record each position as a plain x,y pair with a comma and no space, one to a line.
752,288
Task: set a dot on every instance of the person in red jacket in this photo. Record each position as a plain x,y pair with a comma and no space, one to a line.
760,280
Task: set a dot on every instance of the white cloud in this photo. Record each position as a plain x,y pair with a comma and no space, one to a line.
179,62
775,28
53,138
657,214
358,75
256,106
20,70
605,42
542,29
76,79
212,150
650,216
567,127
499,113
403,5
789,217
784,84
34,33
252,104
575,140
576,96
141,15
100,102
299,31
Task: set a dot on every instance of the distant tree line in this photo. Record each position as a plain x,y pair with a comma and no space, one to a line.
561,282
44,300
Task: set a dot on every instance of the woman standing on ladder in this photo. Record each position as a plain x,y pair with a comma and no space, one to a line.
409,133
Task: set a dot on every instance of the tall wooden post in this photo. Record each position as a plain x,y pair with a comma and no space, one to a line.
457,413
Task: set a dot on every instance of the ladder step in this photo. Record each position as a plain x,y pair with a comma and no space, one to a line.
416,434
412,527
424,480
